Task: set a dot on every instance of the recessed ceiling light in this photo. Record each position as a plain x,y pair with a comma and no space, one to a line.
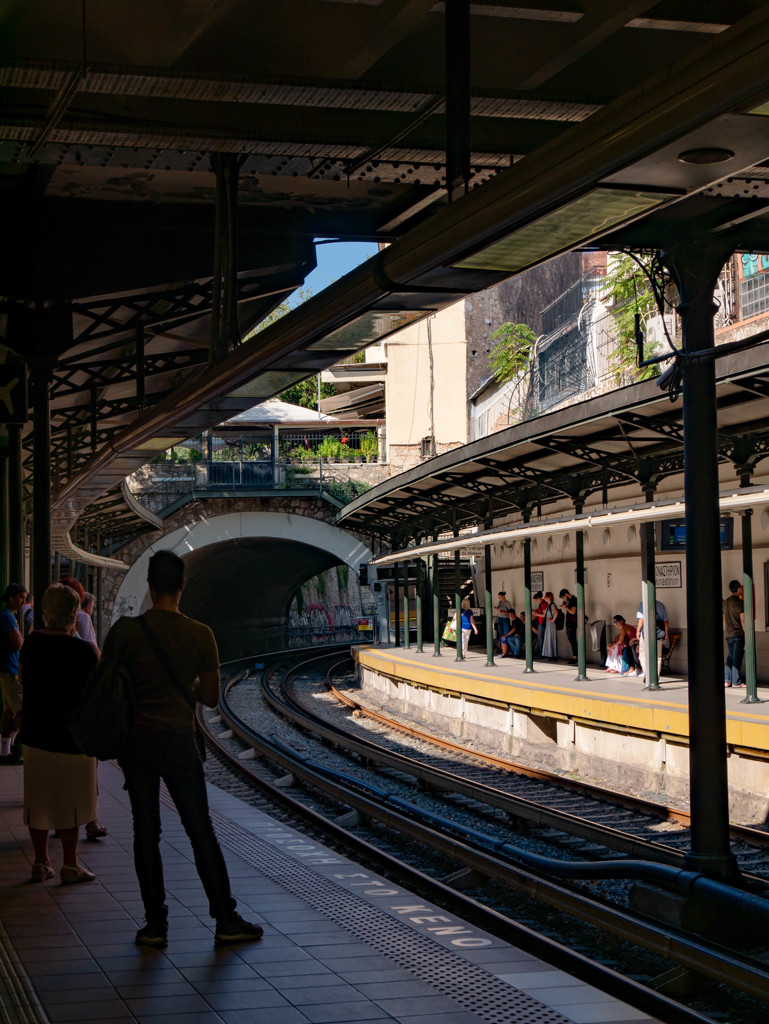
706,155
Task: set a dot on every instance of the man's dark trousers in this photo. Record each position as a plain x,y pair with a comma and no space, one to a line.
174,758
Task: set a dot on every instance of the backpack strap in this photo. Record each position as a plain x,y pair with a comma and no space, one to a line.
165,661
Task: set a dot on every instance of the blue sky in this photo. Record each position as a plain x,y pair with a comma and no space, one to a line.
336,259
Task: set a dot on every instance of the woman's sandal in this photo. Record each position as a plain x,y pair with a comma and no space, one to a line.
94,830
71,876
42,872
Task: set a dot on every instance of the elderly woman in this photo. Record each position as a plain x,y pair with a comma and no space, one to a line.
59,781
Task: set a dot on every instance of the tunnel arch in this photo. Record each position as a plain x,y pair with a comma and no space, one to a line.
243,569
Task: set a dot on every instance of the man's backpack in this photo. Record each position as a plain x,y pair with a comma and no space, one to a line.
560,619
103,720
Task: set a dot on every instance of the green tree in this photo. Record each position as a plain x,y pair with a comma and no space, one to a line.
512,353
305,393
629,291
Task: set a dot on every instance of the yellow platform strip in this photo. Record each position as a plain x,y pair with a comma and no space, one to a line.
642,712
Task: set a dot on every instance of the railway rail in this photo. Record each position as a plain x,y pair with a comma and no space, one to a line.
593,802
716,963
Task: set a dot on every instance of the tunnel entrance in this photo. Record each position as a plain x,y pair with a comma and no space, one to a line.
243,570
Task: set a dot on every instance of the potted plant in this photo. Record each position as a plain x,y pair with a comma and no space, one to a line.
369,445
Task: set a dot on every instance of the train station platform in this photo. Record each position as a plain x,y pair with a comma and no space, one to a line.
341,944
605,727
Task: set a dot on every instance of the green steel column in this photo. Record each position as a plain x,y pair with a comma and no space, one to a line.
15,518
458,601
751,697
418,567
406,609
650,609
5,576
489,612
581,653
529,637
42,375
436,608
397,602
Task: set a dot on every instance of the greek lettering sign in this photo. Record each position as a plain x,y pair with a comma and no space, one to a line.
667,575
537,582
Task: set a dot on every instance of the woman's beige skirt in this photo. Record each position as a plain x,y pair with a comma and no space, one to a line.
59,789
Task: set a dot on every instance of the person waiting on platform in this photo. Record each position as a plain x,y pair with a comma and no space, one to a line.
468,624
502,609
619,657
569,605
11,640
538,621
550,639
511,640
173,662
59,781
734,624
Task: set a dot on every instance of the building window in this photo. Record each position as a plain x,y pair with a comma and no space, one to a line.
754,296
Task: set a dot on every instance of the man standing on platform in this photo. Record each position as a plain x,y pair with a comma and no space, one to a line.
173,661
11,640
734,624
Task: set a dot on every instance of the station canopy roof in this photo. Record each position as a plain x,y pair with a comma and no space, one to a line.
126,126
632,436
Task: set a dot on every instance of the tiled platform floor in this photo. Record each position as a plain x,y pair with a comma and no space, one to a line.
340,944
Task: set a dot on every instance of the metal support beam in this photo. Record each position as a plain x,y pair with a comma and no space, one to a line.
489,614
397,601
695,266
649,604
140,368
42,374
5,576
457,97
406,608
458,600
436,606
581,654
418,594
528,635
748,585
15,518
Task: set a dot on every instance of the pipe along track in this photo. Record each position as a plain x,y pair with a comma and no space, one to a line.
709,960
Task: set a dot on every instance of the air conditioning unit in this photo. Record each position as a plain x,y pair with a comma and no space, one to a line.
656,327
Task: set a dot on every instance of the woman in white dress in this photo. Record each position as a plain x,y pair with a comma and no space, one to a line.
550,640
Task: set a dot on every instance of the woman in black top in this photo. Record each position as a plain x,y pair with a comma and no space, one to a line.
59,781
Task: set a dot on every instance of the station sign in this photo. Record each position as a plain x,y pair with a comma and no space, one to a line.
667,575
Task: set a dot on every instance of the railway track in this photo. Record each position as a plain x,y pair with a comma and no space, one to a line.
536,788
713,962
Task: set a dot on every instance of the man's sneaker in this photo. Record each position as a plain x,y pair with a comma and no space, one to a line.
154,936
233,928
